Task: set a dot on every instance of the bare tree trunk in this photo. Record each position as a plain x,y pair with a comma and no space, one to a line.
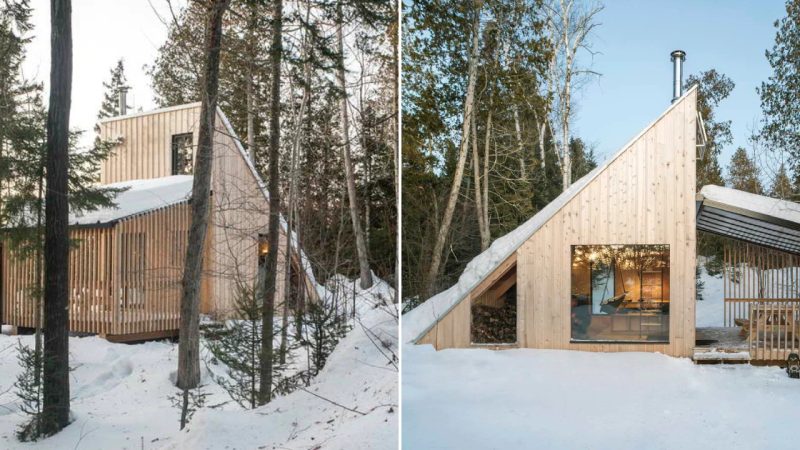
298,131
486,236
523,169
476,170
39,288
271,278
361,244
251,103
566,157
444,227
189,347
394,30
55,406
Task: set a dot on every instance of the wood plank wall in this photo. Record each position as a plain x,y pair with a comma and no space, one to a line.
149,270
146,149
645,196
240,209
123,279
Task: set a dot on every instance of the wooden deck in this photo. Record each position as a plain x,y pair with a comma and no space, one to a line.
721,345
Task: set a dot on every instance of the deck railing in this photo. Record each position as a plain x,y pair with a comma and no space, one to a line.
736,310
773,328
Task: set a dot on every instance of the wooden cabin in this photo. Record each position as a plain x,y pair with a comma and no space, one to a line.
127,262
609,265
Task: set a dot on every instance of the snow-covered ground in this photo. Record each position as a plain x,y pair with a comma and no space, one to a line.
549,399
710,312
120,396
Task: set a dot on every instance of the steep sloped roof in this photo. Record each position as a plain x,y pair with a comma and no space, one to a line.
417,322
139,197
749,217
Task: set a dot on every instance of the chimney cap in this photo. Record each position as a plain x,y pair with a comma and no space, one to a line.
678,54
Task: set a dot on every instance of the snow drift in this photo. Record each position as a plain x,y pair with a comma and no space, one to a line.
120,395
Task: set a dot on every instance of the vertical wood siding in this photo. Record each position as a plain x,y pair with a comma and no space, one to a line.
644,196
240,211
124,279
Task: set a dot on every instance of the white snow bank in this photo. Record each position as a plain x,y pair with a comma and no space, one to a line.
357,376
782,209
476,399
141,196
120,396
418,321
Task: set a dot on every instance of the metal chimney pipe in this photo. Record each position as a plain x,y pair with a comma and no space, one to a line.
123,100
678,56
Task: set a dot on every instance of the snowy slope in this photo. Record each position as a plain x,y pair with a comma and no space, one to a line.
549,399
357,376
120,397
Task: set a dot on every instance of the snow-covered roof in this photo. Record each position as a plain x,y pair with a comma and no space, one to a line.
761,220
759,204
140,196
420,320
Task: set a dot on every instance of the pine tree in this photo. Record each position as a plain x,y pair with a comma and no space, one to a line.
117,81
326,326
23,210
29,391
743,173
238,347
782,185
15,28
713,88
583,160
56,401
780,103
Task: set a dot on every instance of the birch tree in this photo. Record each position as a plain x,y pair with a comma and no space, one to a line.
452,198
361,243
570,23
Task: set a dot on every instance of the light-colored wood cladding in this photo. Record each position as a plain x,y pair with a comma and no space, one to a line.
645,195
124,278
240,209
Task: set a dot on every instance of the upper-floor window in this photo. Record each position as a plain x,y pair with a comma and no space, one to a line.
182,154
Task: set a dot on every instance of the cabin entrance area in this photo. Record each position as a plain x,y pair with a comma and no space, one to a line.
760,313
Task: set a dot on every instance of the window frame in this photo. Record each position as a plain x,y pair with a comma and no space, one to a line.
175,148
579,341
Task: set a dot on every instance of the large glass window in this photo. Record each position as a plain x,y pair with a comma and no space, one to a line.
620,293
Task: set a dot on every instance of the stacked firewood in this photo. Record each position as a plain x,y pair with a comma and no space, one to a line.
494,325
